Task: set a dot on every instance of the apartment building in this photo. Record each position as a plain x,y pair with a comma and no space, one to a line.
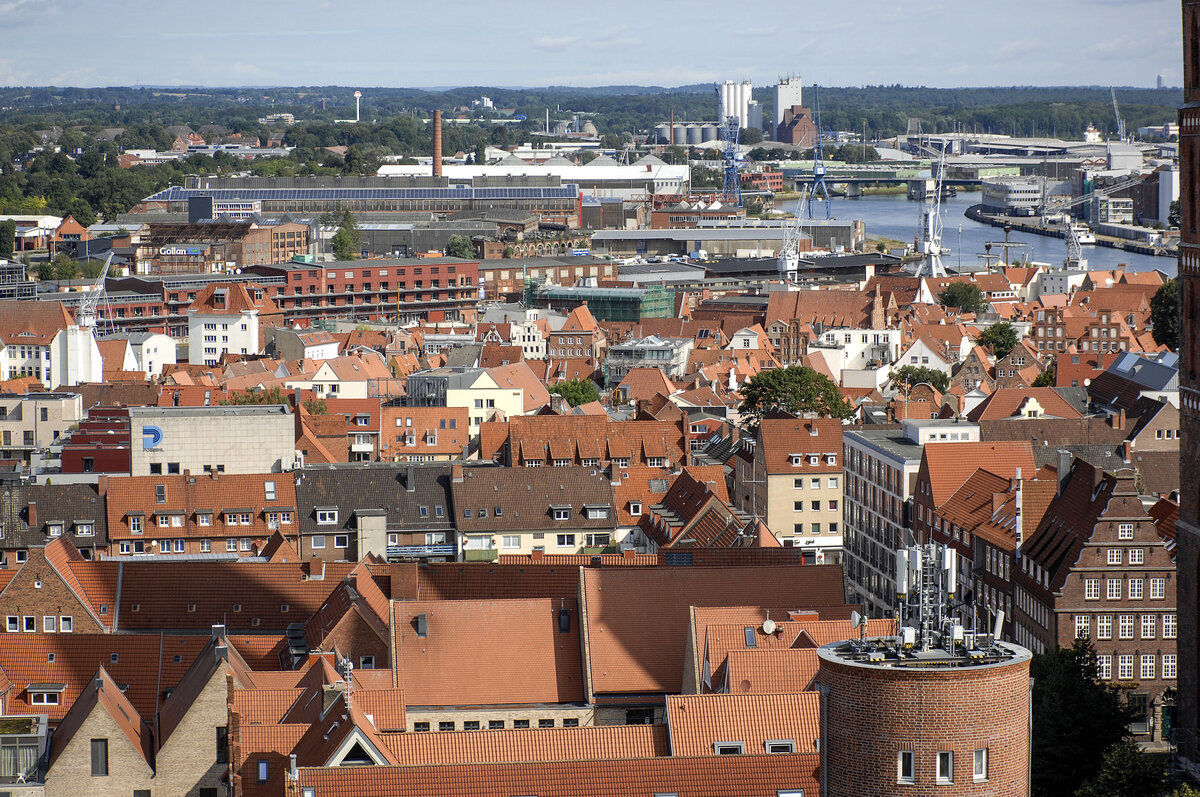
881,468
790,475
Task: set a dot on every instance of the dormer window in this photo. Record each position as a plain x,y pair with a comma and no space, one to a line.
635,508
54,529
160,493
831,459
561,512
814,459
327,516
269,490
797,459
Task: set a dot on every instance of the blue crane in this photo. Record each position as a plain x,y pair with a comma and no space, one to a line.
731,192
818,181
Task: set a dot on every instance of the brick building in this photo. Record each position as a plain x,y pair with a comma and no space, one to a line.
204,514
217,246
1097,567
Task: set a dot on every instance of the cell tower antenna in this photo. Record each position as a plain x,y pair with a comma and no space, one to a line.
731,191
818,182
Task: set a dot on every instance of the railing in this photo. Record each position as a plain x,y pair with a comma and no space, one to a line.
420,551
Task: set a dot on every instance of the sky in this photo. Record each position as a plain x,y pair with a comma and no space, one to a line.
404,43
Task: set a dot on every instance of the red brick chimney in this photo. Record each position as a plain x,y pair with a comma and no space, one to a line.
437,143
536,555
32,519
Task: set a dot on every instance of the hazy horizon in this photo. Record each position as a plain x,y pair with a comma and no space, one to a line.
931,43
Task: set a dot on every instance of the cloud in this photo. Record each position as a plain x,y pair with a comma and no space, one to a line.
554,44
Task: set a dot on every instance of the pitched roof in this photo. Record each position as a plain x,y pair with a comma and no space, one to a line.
646,383
520,376
31,323
697,722
103,693
764,672
637,618
489,652
710,776
526,497
782,438
950,464
1005,402
542,744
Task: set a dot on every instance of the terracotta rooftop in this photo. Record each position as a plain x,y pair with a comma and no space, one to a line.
764,672
697,722
637,618
489,652
541,744
950,464
711,776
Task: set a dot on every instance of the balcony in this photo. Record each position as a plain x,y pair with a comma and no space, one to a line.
480,554
448,550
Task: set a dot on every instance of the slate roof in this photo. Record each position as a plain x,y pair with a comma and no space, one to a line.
526,498
489,652
373,487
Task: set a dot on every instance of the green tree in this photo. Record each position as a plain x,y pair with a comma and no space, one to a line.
964,296
45,271
577,391
1046,378
1164,314
347,241
65,268
273,395
1127,771
1173,213
316,406
1000,338
1076,718
460,246
8,237
795,389
907,377
750,136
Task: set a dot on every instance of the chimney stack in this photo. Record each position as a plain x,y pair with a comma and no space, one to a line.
437,143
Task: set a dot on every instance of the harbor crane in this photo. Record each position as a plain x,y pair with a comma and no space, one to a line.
85,314
818,183
1117,113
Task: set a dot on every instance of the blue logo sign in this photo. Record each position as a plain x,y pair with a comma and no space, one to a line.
151,436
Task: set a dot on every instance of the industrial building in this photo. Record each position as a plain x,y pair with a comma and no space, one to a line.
544,194
717,239
646,177
734,100
606,304
213,246
789,93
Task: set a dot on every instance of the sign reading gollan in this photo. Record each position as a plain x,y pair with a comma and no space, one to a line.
181,250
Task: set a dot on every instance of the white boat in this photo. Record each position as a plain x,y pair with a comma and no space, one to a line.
1083,234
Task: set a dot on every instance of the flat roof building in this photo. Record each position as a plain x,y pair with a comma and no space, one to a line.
222,439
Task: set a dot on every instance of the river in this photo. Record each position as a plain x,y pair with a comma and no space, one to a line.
895,216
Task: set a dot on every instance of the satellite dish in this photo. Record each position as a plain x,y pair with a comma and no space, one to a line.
856,620
769,626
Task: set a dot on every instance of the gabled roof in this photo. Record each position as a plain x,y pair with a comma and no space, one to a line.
950,464
233,298
783,438
1005,402
213,659
764,672
633,649
646,383
31,323
489,652
104,694
519,375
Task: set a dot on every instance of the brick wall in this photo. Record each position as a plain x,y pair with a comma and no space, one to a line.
187,762
72,770
873,713
38,591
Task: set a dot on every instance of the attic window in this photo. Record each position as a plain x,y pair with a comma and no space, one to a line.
729,748
136,607
178,659
283,609
114,658
269,490
814,459
191,607
635,508
751,638
49,658
779,746
160,493
237,607
797,459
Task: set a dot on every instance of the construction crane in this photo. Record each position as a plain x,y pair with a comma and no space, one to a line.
818,181
929,234
731,192
85,314
789,254
1057,205
1117,113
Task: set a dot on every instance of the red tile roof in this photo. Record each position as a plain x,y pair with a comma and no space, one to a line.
948,465
542,744
712,776
145,664
489,652
764,672
699,721
637,618
1006,402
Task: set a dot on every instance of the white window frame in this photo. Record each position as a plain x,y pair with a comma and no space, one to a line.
510,541
317,542
945,774
1124,531
980,768
326,517
904,757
